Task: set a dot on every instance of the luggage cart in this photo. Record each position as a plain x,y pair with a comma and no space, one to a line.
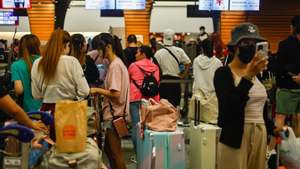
15,132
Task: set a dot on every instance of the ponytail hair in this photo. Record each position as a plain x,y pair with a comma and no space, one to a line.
53,50
77,43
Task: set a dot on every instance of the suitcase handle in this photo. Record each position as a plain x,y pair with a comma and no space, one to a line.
45,117
20,132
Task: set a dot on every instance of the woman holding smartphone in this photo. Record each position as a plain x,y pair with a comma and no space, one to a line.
241,98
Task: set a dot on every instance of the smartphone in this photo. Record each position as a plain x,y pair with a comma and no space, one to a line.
262,47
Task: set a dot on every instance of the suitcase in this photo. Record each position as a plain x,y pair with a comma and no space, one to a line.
203,142
161,150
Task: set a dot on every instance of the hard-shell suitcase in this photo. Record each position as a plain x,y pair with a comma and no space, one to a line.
161,150
203,142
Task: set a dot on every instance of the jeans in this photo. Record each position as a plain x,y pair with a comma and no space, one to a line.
135,118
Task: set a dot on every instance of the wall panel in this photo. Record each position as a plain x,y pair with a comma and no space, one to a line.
273,20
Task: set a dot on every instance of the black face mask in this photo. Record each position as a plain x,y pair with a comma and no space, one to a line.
246,53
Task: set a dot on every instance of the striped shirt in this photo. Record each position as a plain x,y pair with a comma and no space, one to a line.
257,99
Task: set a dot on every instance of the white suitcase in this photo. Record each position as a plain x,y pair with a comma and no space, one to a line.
204,140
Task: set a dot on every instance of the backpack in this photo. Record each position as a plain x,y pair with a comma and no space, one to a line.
150,86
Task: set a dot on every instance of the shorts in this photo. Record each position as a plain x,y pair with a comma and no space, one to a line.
288,101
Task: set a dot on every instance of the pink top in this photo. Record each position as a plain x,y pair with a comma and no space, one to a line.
116,79
136,74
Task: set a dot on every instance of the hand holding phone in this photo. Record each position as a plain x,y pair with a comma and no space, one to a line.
263,48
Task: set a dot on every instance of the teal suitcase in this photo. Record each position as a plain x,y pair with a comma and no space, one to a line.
161,150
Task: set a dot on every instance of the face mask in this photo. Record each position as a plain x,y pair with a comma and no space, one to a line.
246,53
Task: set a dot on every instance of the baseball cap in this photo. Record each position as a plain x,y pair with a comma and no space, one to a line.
244,31
168,36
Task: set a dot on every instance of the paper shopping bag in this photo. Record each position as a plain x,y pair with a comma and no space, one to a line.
71,126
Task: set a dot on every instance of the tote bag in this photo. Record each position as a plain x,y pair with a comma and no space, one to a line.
71,126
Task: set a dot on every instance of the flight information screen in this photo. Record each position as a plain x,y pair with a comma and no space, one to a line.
15,4
115,4
8,18
231,5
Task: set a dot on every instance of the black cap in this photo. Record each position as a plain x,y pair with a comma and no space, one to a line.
244,31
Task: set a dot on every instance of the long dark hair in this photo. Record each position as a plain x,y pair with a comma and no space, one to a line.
150,55
115,42
77,42
28,47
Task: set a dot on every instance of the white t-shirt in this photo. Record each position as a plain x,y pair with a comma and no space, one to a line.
257,99
68,83
167,62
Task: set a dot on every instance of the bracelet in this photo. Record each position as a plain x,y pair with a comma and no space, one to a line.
247,77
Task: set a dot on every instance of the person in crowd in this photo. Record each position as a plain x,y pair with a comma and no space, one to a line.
131,50
287,77
202,36
29,51
153,43
96,52
137,70
204,68
78,50
241,98
169,58
116,99
9,107
57,76
15,49
218,45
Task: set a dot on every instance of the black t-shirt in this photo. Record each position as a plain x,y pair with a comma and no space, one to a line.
91,71
130,53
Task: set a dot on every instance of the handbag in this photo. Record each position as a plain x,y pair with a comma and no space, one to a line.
119,122
159,116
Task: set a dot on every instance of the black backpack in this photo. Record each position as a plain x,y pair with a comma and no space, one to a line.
150,86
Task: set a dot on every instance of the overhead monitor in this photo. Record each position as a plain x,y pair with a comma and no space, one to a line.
213,5
15,4
93,4
115,4
131,4
8,18
244,5
231,5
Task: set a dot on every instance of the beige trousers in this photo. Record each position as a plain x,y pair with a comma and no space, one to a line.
251,155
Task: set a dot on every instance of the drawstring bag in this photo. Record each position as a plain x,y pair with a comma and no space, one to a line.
71,126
